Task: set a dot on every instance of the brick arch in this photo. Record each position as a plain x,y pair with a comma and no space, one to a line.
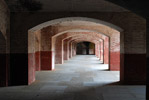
71,19
77,41
71,33
60,39
93,35
93,50
100,54
56,27
116,44
66,41
94,41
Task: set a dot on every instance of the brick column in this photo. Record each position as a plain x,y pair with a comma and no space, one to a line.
106,50
66,49
46,52
70,50
115,53
101,51
59,51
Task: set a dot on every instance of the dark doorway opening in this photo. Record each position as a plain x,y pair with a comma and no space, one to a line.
85,48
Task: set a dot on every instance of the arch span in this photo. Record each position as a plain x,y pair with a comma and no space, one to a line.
83,20
59,43
45,31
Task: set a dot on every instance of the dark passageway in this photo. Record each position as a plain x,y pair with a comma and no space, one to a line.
85,48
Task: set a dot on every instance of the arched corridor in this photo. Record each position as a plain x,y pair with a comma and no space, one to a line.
90,50
46,43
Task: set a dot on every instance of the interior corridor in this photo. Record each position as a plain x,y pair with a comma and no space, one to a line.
83,77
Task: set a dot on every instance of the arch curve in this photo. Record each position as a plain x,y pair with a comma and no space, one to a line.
84,20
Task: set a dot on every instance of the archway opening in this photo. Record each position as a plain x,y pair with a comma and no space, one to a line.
85,48
43,42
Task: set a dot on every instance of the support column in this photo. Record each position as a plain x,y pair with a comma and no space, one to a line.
58,51
115,53
101,51
46,52
96,52
37,51
73,48
106,50
31,58
66,50
70,50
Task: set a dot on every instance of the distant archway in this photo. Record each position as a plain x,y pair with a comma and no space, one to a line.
85,48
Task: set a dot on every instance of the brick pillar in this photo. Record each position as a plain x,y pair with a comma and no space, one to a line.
46,52
58,51
66,49
96,52
31,58
106,50
115,53
101,51
70,50
37,51
73,49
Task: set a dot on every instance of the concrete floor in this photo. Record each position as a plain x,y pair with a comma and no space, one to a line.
81,78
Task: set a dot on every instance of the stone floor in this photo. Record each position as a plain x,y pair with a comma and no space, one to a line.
81,78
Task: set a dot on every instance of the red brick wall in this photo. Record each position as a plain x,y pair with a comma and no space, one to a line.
46,60
37,60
